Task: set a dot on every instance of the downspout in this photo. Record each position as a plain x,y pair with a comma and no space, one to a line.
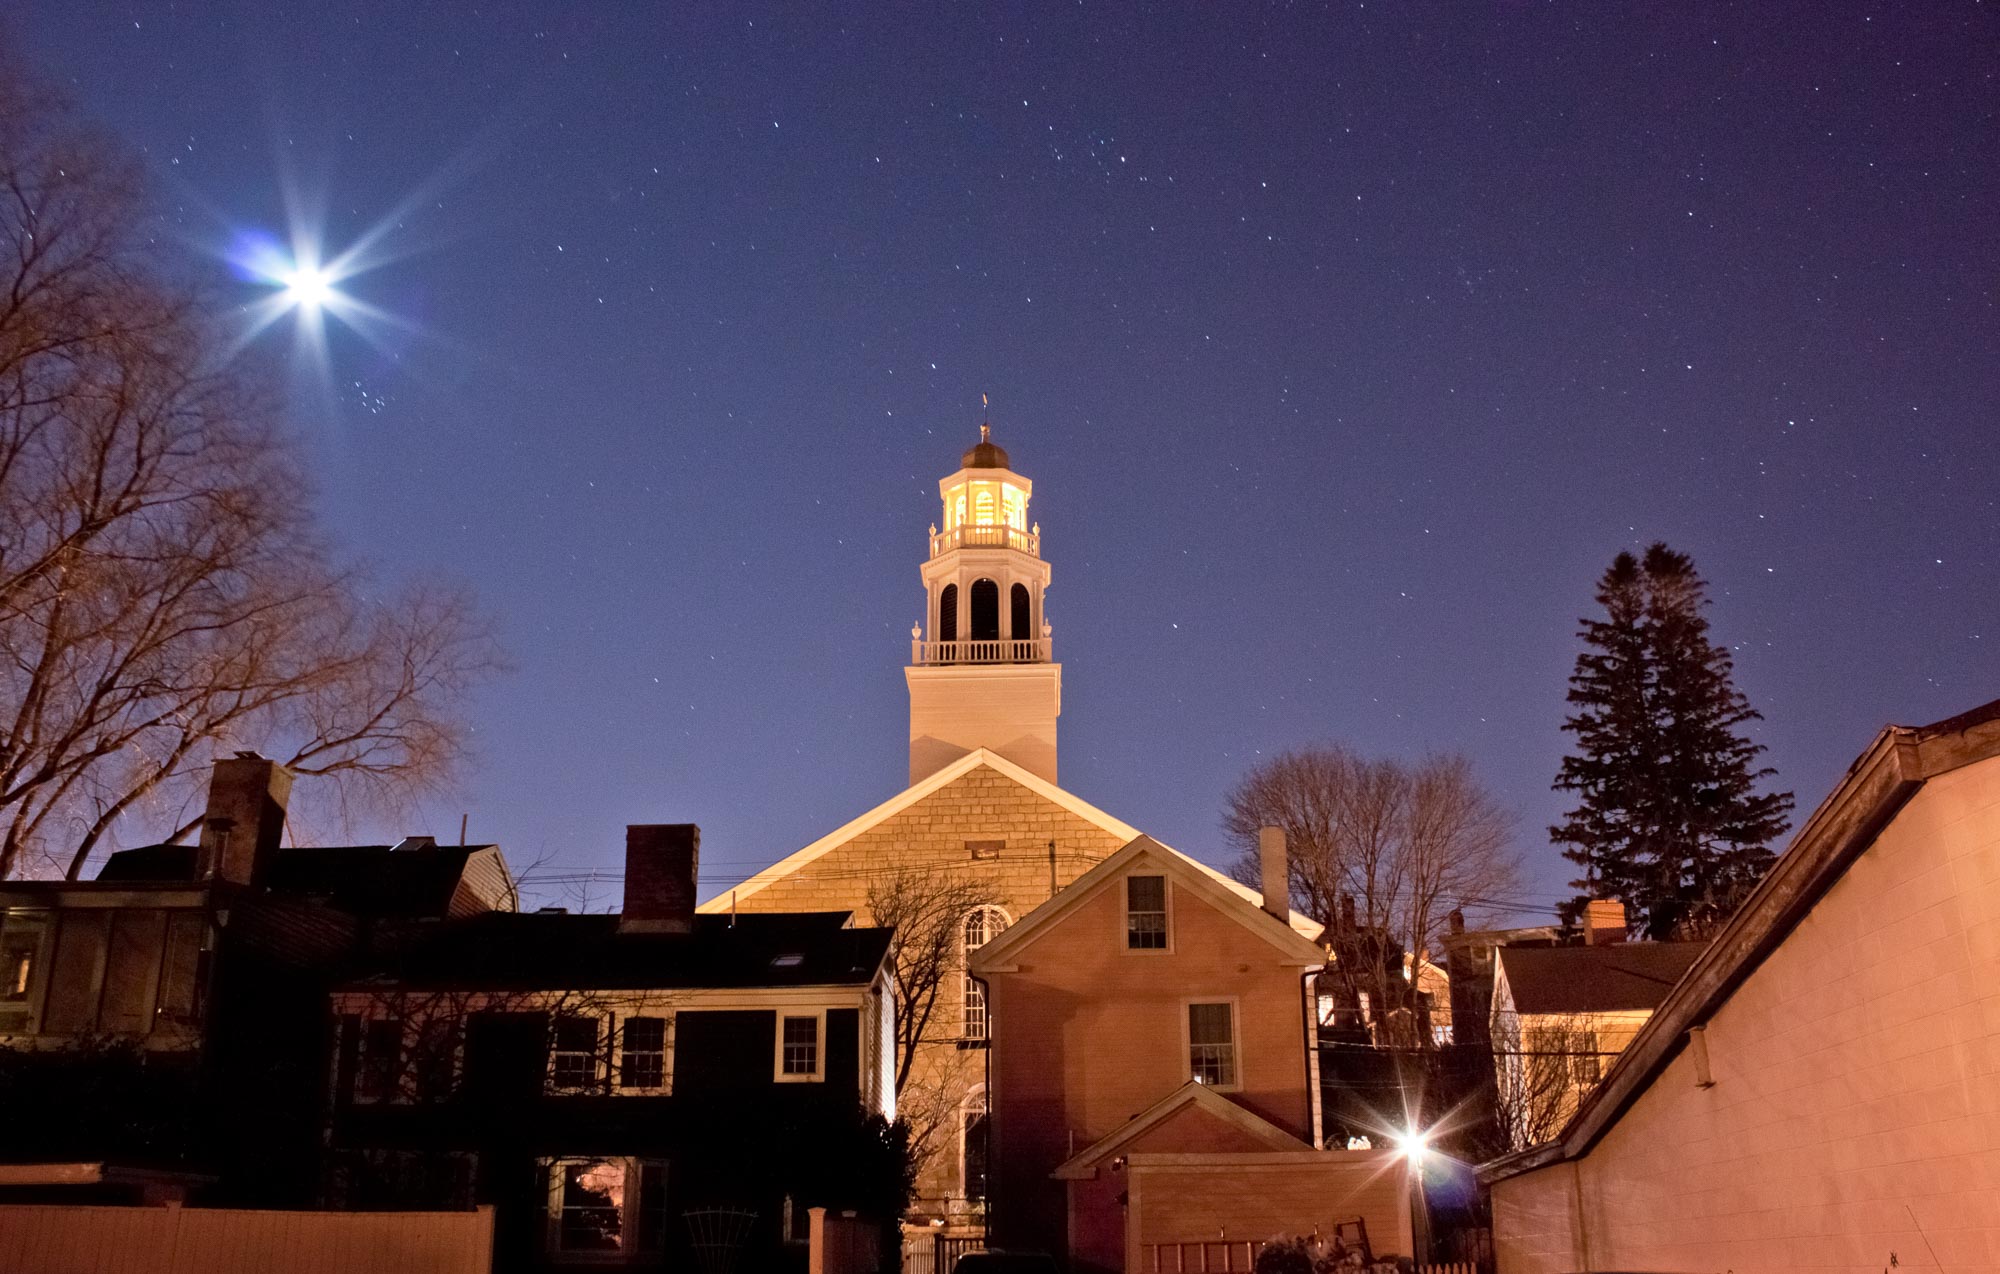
1309,1031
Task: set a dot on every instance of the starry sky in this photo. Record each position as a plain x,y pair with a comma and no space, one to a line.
1345,345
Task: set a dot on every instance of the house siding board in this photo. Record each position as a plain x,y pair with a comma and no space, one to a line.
1088,1034
1856,1108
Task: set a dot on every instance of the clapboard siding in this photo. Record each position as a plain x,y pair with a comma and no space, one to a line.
93,1240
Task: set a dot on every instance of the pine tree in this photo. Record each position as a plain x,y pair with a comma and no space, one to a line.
1670,820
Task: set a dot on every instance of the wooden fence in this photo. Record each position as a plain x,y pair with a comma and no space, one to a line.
930,1253
177,1240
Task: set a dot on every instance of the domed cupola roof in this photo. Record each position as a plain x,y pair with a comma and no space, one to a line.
986,455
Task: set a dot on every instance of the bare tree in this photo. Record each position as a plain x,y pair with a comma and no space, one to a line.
163,593
1542,1072
1380,852
928,911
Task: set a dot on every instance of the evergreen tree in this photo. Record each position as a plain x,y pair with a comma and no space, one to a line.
1670,821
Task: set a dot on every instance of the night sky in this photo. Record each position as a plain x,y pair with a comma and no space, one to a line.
1345,346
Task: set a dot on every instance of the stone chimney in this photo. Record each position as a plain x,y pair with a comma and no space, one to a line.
245,820
660,865
1603,922
1274,873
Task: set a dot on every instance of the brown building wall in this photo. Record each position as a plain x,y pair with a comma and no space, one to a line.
1856,1104
931,836
1089,1034
1296,1194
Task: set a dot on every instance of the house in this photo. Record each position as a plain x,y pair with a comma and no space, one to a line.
1822,1087
164,1023
1153,1075
982,807
1560,1014
627,1089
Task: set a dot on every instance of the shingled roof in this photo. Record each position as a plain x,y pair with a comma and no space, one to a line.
363,880
1617,977
540,951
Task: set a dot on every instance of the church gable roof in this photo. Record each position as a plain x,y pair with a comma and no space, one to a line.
1067,801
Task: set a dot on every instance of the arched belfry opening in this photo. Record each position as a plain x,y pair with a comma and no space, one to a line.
982,668
985,610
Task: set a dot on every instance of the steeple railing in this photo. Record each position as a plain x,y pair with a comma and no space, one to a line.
969,535
1036,651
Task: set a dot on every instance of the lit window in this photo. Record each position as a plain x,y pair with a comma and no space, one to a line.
982,507
21,935
982,925
798,1048
1146,913
599,1209
644,1061
1212,1044
573,1060
1016,508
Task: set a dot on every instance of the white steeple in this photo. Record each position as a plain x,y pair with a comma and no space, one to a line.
982,672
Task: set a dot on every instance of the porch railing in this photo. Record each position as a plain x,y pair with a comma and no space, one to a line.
1010,651
970,536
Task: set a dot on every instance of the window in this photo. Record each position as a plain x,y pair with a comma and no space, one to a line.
798,1048
947,626
21,934
644,1061
601,1208
985,610
381,1059
573,1060
1586,1068
434,1060
972,1145
1146,913
985,848
982,925
1019,612
982,507
1212,1044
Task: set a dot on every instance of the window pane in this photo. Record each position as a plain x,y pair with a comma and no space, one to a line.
77,973
576,1034
1211,1044
592,1199
652,1205
573,1063
801,1045
21,935
436,1060
1146,912
381,1059
644,1064
132,971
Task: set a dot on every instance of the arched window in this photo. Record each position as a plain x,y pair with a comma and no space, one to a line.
982,925
985,610
972,1144
1018,620
958,509
982,507
947,625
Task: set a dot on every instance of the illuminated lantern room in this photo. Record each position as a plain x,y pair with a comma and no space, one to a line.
982,667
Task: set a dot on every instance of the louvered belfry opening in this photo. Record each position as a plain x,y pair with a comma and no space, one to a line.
985,610
1017,623
947,625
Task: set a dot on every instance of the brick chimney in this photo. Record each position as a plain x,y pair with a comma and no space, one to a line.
1274,873
1603,922
660,867
245,820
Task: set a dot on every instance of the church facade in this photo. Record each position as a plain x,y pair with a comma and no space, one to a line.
983,805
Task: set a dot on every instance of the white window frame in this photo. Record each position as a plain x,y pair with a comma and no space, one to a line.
1235,1038
597,1051
628,1251
666,1084
972,997
1125,913
778,1072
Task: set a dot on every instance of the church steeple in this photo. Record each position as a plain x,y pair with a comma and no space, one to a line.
982,669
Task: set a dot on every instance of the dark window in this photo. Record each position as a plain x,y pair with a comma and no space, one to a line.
184,969
1018,604
1146,913
644,1064
724,1055
985,848
985,610
21,959
76,976
652,1205
381,1059
801,1046
1212,1044
947,625
436,1059
973,1143
574,1064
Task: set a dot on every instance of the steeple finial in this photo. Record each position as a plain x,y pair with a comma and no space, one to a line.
986,433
